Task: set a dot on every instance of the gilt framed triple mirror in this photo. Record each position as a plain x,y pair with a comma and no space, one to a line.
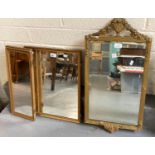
46,82
116,65
21,82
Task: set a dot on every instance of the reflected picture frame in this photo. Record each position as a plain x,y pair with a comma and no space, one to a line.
117,25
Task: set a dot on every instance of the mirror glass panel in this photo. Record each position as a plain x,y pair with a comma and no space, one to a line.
60,77
115,81
21,83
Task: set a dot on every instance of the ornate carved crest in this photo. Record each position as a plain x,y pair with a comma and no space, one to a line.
119,25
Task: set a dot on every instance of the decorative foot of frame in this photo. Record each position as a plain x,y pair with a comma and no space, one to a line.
110,127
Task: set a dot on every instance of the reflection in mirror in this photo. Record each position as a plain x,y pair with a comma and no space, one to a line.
115,81
60,84
21,87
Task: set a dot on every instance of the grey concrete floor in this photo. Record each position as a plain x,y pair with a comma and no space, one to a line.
12,126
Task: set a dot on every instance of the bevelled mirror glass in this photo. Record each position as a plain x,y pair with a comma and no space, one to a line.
21,82
59,81
116,76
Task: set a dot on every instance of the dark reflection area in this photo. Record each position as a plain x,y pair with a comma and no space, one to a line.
150,99
60,84
4,99
115,81
149,113
21,87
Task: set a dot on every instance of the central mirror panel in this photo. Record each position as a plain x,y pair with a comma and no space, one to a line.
60,84
115,81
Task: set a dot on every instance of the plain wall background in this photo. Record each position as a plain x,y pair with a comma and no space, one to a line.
66,32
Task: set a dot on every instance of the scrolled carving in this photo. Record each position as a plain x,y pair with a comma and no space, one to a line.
110,127
118,25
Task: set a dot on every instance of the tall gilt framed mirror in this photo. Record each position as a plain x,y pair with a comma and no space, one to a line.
21,82
116,66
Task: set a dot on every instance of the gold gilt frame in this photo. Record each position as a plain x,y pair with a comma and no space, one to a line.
29,53
117,26
38,80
